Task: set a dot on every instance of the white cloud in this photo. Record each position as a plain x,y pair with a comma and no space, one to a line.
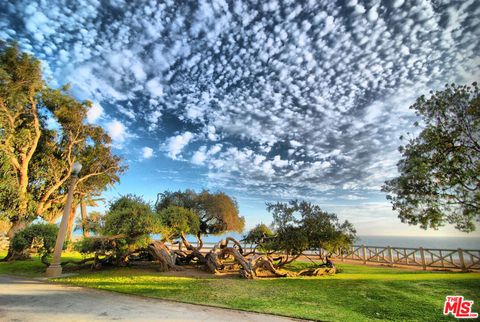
175,144
94,113
117,131
359,9
155,87
398,3
147,152
372,14
320,85
199,156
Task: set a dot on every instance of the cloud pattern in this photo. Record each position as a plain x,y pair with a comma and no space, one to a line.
285,98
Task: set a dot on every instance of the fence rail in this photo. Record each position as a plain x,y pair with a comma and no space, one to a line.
462,259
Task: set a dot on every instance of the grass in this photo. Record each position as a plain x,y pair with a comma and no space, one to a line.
358,293
30,267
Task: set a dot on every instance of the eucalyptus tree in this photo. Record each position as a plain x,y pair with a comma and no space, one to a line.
36,159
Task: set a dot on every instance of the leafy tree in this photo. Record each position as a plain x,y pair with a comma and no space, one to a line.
300,226
439,179
36,161
127,227
204,213
20,131
216,212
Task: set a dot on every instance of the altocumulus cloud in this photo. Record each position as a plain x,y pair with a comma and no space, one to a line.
277,97
147,152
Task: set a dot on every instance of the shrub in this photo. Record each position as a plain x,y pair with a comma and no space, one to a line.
44,234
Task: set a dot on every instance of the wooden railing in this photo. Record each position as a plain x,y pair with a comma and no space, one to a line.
462,259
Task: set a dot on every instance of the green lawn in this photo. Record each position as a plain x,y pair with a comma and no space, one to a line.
31,267
358,293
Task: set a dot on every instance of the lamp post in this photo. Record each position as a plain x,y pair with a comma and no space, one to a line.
55,269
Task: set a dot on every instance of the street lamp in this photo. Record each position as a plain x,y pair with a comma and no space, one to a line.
55,268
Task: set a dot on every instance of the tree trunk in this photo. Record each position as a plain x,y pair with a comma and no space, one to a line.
16,227
161,253
194,251
83,213
71,222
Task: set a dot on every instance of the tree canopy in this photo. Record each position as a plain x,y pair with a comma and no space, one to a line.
301,225
36,160
439,179
257,234
177,221
216,212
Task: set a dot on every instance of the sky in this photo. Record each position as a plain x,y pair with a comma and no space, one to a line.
265,100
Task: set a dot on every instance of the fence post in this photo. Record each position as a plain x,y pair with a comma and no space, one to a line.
390,255
422,255
462,260
364,254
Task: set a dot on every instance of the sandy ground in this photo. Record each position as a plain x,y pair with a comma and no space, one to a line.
34,300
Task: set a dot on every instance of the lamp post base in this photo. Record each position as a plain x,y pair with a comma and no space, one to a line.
54,270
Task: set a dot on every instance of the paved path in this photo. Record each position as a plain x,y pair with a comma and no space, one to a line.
34,300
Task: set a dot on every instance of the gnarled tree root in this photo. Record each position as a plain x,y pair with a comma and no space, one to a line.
257,266
318,271
162,255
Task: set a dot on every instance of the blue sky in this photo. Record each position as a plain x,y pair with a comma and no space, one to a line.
266,100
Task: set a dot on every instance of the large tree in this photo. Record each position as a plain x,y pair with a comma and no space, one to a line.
301,225
36,159
439,179
217,212
206,214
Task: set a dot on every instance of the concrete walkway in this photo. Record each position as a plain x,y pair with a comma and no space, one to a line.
35,300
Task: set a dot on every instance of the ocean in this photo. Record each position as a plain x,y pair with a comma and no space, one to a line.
393,241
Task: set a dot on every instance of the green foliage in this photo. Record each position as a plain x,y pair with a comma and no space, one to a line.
44,234
127,226
177,220
301,225
94,223
440,168
257,234
216,212
35,161
129,215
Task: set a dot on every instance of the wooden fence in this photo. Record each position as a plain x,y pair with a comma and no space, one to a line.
462,259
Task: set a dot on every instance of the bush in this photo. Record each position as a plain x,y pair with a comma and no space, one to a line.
44,234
